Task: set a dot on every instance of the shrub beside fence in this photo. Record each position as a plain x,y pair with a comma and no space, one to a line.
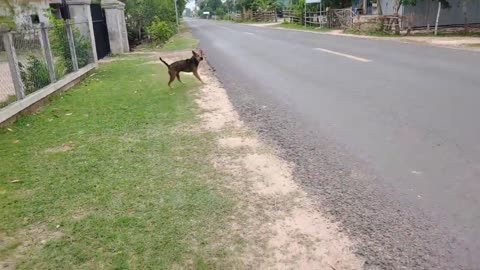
32,59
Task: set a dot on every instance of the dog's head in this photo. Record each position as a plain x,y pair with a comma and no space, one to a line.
198,56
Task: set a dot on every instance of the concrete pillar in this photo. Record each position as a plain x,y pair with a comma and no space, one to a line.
126,46
82,17
117,30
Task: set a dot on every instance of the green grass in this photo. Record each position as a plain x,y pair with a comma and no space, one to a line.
111,166
183,41
296,26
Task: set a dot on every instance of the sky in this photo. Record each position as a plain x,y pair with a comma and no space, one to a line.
191,4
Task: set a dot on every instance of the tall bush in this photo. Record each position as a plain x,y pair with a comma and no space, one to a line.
142,13
34,75
160,31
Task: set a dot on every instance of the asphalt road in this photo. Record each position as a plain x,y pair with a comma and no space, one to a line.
384,134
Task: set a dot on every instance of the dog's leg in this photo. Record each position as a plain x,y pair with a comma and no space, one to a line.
196,75
172,78
178,77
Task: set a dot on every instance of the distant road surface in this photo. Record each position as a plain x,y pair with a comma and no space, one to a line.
385,135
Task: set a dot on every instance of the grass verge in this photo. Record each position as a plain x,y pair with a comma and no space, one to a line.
379,33
107,177
182,41
295,26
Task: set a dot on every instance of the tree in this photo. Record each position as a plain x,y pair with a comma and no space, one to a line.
229,5
7,21
141,13
263,5
212,6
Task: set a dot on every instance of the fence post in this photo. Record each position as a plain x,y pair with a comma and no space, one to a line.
13,65
71,43
438,16
47,52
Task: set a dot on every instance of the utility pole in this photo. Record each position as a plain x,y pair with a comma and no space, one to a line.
176,14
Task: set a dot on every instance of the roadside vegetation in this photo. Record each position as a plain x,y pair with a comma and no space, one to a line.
181,41
296,26
441,33
153,20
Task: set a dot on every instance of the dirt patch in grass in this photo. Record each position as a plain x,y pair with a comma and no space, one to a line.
60,149
281,227
475,45
25,243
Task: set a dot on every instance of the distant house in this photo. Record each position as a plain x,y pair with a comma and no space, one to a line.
425,12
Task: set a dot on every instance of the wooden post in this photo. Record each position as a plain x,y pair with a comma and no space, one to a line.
13,65
176,16
305,15
47,52
71,43
438,16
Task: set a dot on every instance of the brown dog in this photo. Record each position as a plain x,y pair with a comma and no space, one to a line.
187,65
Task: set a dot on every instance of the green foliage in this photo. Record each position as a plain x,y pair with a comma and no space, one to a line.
141,13
220,12
7,21
34,75
82,47
61,48
245,4
210,5
298,8
263,4
160,31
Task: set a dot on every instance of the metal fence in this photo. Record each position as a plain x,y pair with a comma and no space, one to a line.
31,59
333,18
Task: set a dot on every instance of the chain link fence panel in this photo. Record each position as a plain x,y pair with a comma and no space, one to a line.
7,90
31,60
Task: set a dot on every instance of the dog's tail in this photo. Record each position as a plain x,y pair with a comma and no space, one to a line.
166,64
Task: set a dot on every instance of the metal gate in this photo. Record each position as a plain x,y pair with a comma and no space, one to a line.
100,31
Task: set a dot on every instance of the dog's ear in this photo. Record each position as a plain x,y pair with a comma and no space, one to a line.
194,53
